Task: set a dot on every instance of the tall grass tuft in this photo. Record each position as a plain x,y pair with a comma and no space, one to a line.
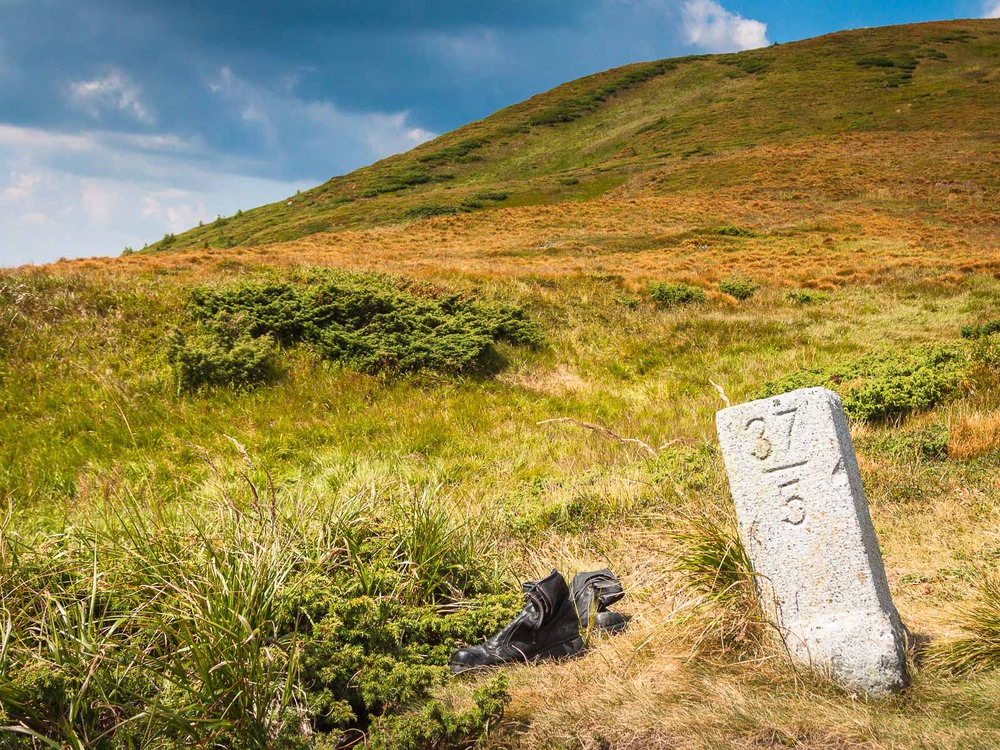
714,565
978,650
254,620
226,657
440,557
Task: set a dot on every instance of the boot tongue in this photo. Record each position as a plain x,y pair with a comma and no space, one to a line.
532,615
540,599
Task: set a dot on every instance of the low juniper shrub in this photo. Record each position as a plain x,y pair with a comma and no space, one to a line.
665,294
882,386
978,332
573,107
739,287
223,354
367,322
731,231
496,196
436,726
429,211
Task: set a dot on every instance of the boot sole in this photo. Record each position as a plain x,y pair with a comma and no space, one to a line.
609,629
618,627
558,652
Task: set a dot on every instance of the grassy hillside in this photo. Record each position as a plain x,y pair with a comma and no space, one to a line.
686,124
255,493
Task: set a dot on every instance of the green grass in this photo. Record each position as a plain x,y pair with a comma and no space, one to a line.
277,539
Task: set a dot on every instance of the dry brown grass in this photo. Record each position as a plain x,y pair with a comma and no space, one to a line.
873,222
975,435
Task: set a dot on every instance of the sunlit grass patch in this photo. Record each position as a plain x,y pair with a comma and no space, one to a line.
978,648
975,434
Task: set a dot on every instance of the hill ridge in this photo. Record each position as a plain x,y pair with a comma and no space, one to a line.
586,137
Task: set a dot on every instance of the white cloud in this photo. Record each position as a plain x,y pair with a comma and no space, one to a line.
99,202
472,47
48,209
22,185
112,92
287,122
35,219
390,134
33,138
102,190
710,26
991,8
177,210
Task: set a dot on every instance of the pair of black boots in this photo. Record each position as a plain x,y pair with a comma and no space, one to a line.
553,623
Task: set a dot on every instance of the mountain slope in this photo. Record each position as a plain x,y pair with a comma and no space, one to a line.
905,106
313,538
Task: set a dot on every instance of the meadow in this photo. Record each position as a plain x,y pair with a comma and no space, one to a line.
257,488
143,514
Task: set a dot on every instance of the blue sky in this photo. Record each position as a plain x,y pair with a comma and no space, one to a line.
121,120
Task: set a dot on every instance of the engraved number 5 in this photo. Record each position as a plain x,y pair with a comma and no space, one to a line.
795,511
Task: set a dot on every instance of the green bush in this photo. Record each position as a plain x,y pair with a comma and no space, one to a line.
496,196
902,68
699,150
952,37
670,295
366,322
731,231
459,153
739,287
977,332
221,354
439,727
878,387
574,107
429,211
748,64
875,62
389,181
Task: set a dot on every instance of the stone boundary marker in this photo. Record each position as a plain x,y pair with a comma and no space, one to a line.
804,521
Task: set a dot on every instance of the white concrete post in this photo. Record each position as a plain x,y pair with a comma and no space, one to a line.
804,521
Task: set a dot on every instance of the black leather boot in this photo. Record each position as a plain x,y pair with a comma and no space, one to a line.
547,628
593,593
